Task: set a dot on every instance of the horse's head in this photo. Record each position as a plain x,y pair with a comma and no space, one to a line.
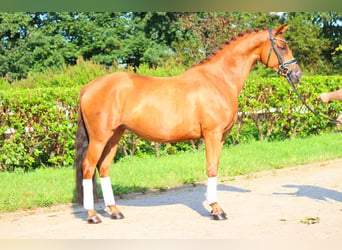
277,55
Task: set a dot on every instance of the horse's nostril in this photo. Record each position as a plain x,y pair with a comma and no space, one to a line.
299,75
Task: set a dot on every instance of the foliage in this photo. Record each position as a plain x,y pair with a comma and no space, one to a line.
37,41
4,84
38,127
271,107
309,44
337,57
68,76
201,33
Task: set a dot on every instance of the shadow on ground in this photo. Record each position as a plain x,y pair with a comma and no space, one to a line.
313,192
192,197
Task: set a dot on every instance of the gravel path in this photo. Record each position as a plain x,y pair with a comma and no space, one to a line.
263,205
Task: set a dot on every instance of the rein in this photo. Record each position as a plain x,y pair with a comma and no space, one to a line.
286,72
331,120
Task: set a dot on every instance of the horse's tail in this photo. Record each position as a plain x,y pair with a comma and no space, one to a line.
81,147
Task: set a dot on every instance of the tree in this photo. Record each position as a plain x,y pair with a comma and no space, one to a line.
35,41
150,38
200,34
313,37
203,32
14,29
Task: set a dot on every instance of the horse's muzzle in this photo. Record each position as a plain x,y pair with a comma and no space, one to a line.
295,75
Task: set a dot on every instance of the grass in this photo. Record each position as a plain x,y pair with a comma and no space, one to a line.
40,188
47,187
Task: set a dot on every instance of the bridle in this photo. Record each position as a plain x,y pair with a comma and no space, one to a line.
283,66
286,71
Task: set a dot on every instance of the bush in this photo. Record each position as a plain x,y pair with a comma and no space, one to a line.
68,76
37,127
4,84
273,110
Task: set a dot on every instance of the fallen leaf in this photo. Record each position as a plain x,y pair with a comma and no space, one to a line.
310,220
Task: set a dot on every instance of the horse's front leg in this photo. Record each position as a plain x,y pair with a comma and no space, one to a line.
213,144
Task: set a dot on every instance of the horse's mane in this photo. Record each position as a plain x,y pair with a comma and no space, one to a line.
227,43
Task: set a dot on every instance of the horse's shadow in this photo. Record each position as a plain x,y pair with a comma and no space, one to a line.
313,192
192,197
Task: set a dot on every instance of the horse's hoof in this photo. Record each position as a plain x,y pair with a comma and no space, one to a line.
94,220
117,216
220,216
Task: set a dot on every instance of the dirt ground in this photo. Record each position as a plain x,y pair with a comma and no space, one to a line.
271,204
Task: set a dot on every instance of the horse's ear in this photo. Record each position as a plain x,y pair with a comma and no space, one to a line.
281,29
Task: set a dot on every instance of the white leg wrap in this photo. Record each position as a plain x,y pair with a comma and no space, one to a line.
88,196
212,190
107,191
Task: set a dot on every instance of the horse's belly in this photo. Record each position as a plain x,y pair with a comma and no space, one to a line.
162,119
165,132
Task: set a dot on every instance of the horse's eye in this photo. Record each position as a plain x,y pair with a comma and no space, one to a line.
283,48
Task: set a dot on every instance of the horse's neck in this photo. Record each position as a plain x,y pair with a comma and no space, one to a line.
234,62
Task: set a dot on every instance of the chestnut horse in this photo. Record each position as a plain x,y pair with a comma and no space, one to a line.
202,102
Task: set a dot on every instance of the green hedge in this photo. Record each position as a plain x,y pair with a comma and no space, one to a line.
281,114
37,127
43,120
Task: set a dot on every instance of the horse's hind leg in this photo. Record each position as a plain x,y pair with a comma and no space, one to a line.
90,161
104,166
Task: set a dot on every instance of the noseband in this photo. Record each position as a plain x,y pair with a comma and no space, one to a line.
283,66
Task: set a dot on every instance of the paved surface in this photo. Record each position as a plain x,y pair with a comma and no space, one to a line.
264,205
